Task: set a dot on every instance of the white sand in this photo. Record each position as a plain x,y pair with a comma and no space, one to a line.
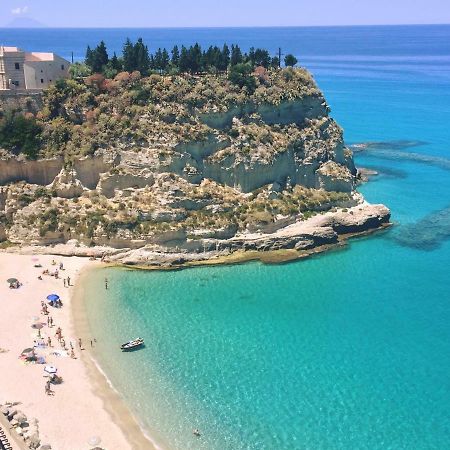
75,413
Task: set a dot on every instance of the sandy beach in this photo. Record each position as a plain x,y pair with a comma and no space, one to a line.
83,406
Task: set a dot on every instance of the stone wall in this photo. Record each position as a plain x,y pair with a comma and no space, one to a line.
27,101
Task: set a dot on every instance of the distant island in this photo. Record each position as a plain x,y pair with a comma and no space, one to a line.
24,22
180,157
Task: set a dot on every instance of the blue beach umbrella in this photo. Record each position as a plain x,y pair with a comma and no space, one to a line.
53,297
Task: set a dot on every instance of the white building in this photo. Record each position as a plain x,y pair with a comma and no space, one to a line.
21,70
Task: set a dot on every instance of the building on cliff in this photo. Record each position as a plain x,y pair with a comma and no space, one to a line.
20,70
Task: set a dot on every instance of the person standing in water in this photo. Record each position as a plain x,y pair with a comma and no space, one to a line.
106,283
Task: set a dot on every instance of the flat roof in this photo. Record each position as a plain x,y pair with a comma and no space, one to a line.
10,49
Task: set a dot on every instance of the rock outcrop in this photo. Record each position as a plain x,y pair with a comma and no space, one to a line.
186,166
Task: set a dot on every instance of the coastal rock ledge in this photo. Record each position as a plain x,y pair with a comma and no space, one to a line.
306,237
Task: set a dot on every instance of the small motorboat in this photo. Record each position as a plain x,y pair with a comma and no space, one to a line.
131,345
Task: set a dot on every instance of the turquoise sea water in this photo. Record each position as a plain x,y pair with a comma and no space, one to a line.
348,350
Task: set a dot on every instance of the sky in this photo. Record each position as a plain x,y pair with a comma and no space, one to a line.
217,13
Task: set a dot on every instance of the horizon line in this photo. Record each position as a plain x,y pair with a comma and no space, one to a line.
219,27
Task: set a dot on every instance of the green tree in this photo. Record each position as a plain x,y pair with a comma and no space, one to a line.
20,134
116,63
241,75
236,55
224,58
101,56
89,58
262,58
165,60
129,57
195,58
290,60
79,70
175,56
142,57
184,60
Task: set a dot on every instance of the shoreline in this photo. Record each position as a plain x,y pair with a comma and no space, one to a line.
113,403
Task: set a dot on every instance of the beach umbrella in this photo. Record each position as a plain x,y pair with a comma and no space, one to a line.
94,440
12,280
27,350
51,369
38,327
53,297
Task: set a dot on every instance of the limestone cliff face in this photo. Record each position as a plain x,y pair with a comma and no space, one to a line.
189,178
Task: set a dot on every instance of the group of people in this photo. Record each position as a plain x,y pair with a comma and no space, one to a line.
15,284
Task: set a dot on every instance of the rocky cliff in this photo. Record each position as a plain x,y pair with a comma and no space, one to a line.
182,164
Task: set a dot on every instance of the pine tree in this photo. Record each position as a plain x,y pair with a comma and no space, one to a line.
290,60
195,58
157,61
101,54
129,58
184,60
142,57
116,63
89,57
165,60
175,56
236,55
224,59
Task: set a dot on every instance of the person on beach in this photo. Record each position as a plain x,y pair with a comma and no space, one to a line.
63,344
80,344
48,389
61,266
68,281
59,333
71,345
56,274
49,341
51,321
64,281
53,262
48,321
72,354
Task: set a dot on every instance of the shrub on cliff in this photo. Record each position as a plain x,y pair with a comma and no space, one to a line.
20,134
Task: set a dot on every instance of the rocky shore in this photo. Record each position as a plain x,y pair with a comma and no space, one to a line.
305,237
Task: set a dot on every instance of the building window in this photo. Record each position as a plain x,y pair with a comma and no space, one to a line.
42,81
17,66
62,66
15,83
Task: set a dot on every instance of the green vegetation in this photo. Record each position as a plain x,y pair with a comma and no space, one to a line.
290,60
84,114
193,59
20,133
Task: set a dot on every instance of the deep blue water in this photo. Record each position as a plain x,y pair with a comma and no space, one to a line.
348,350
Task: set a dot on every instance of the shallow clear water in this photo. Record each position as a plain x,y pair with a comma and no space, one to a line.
348,350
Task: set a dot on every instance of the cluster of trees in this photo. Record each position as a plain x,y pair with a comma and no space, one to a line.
20,133
193,59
